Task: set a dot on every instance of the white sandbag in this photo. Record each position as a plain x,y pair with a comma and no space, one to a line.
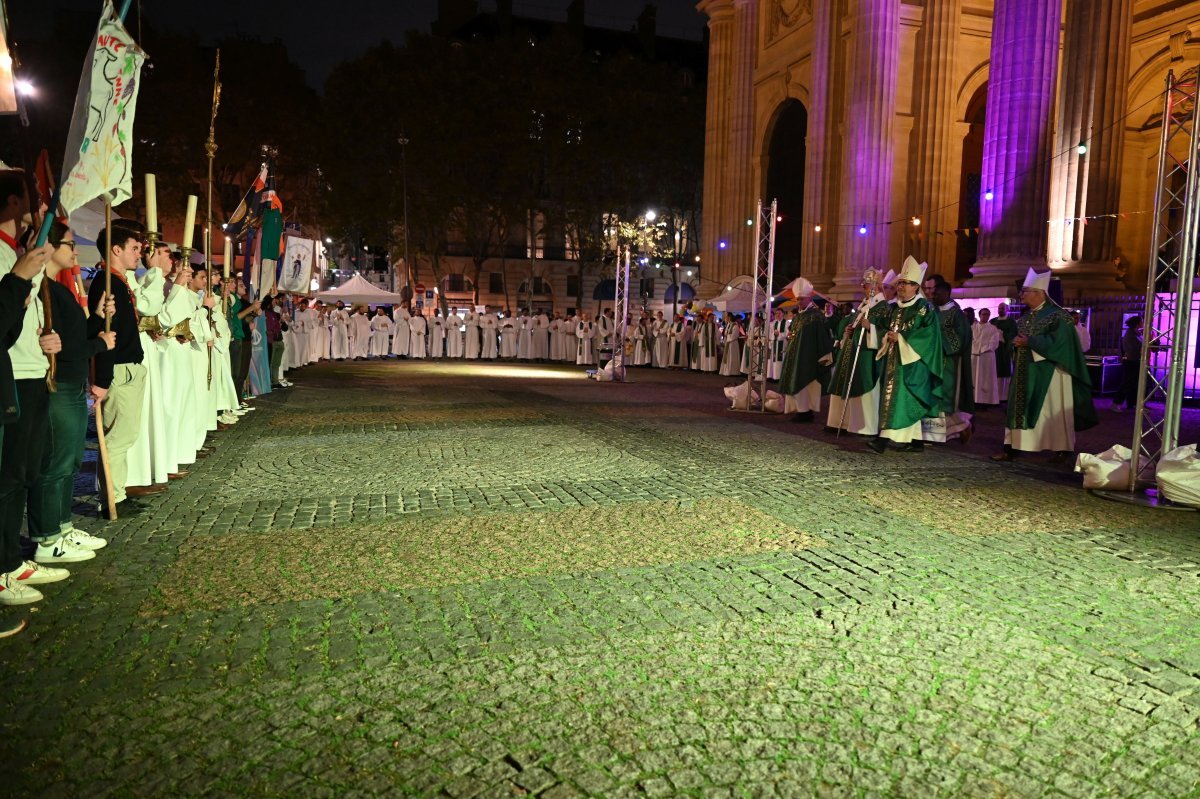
1179,476
774,401
1109,469
737,395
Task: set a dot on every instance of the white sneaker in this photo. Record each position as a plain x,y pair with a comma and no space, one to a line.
61,551
227,418
30,573
248,408
84,540
16,593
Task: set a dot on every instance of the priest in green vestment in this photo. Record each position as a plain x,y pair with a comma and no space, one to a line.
910,362
809,354
958,381
1050,394
1004,355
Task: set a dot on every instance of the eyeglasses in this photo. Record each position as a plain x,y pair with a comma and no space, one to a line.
70,244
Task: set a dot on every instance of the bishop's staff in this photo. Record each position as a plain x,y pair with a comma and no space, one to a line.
871,281
210,149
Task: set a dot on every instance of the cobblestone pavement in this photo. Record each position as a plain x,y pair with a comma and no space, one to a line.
437,579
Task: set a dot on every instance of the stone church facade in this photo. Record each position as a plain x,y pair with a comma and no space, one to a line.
983,137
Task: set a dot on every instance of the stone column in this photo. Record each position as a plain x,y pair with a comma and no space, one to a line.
1092,101
867,168
716,130
742,196
935,144
818,249
1016,146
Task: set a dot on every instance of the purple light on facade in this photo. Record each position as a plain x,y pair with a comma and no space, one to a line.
722,244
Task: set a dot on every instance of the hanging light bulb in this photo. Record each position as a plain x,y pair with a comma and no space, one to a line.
916,221
816,228
862,230
987,195
1082,149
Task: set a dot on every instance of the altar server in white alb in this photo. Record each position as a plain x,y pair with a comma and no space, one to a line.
705,357
360,333
660,329
339,341
148,295
416,338
400,331
488,335
471,342
539,348
985,341
509,328
454,335
381,330
437,335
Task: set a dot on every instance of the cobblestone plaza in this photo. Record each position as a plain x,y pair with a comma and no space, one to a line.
444,579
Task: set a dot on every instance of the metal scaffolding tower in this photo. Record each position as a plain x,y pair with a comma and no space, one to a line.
761,335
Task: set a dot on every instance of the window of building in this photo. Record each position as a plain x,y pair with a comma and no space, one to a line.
647,289
455,282
572,285
495,283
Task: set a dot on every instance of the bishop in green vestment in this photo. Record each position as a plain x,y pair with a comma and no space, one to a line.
911,361
853,392
806,362
958,381
1050,394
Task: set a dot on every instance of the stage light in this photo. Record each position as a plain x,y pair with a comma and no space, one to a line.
25,88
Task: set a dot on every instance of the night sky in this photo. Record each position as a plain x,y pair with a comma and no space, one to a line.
319,35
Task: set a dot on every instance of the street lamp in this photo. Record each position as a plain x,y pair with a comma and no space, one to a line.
403,141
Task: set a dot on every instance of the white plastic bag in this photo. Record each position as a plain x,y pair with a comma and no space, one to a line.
737,395
1179,476
774,401
1109,469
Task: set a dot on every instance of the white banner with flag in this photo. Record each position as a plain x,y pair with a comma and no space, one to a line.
99,153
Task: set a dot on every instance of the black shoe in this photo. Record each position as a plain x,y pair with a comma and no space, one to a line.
803,418
912,446
877,445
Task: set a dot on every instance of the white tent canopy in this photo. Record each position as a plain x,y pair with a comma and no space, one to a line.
737,296
357,291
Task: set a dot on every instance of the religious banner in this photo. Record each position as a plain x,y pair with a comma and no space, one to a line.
99,152
8,88
299,260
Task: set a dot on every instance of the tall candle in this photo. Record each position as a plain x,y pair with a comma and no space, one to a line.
225,257
189,221
151,203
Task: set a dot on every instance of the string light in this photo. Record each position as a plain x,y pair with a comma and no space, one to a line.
816,228
722,244
916,220
1082,150
779,219
987,195
862,230
749,223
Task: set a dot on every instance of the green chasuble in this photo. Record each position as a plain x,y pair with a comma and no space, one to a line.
866,374
912,392
808,341
706,334
1004,354
957,377
1051,333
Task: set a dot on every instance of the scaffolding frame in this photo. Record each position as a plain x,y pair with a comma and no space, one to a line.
621,311
761,336
1167,314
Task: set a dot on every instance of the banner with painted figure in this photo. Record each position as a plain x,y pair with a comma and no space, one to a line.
99,153
299,260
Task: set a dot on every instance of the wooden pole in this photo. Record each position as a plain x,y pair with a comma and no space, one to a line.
104,473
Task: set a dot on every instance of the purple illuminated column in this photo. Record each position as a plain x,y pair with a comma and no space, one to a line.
867,159
1017,142
1092,102
933,185
820,176
715,225
742,200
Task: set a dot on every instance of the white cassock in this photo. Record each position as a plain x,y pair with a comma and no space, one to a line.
1054,429
661,330
224,389
182,356
471,342
1085,338
778,347
293,338
312,335
401,333
437,337
417,327
508,337
360,334
585,334
642,346
985,340
487,333
454,336
381,330
324,336
525,338
731,358
539,348
604,331
567,331
339,340
147,294
205,373
554,329
706,337
681,339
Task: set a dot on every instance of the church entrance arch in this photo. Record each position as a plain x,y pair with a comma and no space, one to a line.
785,183
971,190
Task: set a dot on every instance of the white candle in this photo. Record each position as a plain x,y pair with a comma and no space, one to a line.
225,257
151,203
189,221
